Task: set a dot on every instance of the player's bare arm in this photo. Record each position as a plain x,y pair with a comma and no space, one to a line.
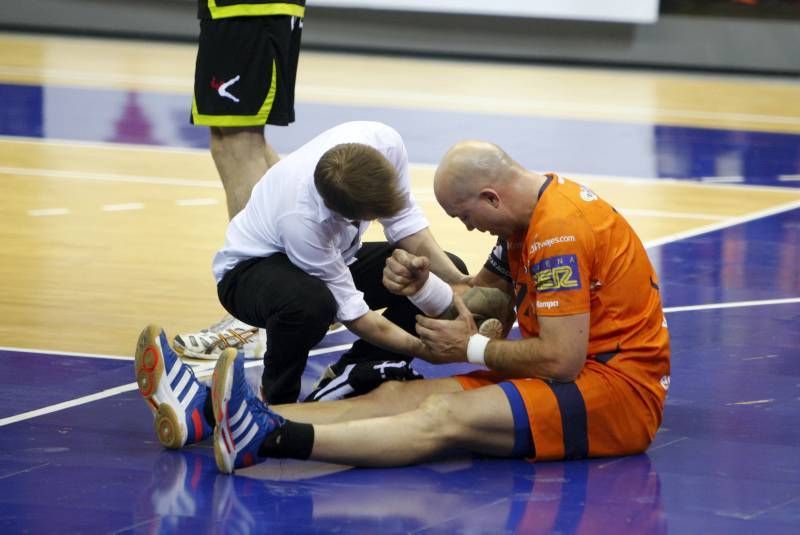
558,353
376,329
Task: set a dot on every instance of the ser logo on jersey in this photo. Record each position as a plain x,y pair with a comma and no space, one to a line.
557,273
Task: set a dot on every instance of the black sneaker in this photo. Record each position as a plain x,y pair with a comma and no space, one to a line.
349,379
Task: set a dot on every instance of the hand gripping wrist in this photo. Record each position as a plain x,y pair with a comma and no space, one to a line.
434,297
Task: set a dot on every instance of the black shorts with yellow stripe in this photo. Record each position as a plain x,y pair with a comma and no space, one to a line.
246,70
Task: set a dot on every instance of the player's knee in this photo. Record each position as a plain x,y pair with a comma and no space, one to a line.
440,421
320,313
313,316
217,143
235,142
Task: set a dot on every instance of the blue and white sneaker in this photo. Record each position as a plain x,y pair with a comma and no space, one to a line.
243,420
171,391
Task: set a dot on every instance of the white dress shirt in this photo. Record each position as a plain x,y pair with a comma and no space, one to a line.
285,214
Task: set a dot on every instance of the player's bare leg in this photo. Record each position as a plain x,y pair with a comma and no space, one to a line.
478,421
390,398
242,156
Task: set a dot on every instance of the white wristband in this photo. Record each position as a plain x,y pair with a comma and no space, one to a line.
476,349
434,297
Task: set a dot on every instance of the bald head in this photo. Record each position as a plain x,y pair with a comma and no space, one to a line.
481,185
470,166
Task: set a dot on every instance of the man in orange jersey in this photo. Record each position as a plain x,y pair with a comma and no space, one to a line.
588,378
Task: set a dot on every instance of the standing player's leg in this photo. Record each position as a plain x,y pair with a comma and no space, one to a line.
244,79
242,156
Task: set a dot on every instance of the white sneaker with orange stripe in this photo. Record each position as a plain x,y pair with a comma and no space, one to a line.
208,344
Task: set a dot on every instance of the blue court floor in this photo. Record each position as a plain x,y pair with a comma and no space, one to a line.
78,453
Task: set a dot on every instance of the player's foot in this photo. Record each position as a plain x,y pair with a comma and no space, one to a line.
208,344
171,391
243,420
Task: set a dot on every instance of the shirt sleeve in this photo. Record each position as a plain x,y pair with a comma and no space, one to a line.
410,219
312,251
560,262
497,262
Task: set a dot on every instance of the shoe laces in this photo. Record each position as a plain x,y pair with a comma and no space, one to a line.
236,338
261,412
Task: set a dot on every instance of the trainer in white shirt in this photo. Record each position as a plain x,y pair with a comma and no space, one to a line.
285,214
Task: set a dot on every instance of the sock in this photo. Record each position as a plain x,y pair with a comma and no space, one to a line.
292,440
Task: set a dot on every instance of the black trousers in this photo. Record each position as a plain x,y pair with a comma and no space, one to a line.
296,309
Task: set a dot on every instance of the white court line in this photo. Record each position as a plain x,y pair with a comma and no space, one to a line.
471,104
64,75
64,353
764,357
753,402
201,370
529,107
311,353
752,216
672,215
737,304
196,202
67,404
25,471
110,177
174,181
46,212
654,448
653,243
102,146
722,179
124,207
581,178
695,183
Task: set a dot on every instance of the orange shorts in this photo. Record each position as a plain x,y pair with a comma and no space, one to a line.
600,414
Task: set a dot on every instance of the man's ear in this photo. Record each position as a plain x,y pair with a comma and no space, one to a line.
489,195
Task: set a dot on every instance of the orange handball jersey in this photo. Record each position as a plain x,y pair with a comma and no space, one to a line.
579,255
